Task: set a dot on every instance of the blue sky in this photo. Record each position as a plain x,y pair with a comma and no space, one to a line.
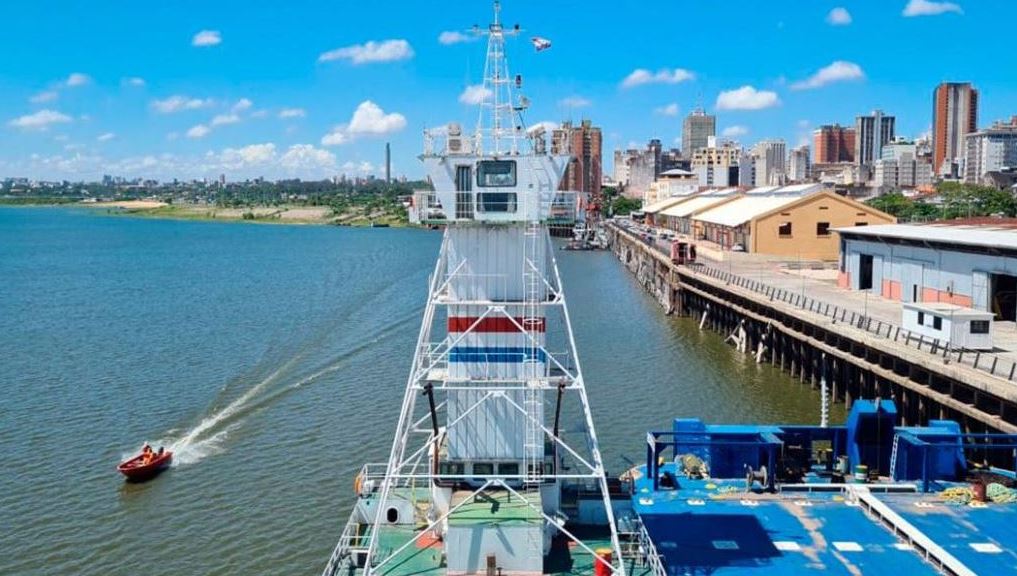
315,88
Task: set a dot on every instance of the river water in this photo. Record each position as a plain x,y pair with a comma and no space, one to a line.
273,360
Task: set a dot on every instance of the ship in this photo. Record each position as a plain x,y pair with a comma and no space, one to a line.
495,466
484,475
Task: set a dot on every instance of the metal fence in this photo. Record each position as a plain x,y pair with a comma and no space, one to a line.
979,360
983,361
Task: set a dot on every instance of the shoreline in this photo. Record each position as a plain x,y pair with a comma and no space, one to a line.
297,215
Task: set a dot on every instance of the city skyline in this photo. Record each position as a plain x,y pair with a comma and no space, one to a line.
259,93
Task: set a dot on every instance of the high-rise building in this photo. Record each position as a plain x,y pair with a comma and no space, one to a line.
717,165
990,150
954,115
799,166
656,149
585,172
696,131
770,157
872,132
833,144
388,163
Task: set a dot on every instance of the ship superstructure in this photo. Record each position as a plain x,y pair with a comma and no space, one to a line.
495,466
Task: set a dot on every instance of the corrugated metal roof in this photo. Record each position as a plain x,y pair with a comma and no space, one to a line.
744,209
693,205
800,189
961,235
720,192
762,190
665,203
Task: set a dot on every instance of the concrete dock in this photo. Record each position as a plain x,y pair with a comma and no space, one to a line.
822,334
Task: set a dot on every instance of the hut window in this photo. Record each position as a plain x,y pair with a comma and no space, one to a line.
822,228
979,326
784,229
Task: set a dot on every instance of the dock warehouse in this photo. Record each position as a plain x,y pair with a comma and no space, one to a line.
970,266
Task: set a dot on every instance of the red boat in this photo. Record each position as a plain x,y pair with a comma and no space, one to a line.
136,470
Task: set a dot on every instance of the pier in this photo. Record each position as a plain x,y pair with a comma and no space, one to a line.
832,344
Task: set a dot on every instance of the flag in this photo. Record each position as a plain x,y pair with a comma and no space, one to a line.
540,44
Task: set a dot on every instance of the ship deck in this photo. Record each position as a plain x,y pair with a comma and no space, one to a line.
716,527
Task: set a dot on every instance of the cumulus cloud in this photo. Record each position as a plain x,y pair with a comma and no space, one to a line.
46,96
669,110
384,51
242,105
292,113
839,71
839,16
199,131
930,8
642,76
206,38
77,79
734,131
363,166
178,103
746,98
574,102
368,120
106,137
475,94
40,120
224,119
452,37
301,157
135,82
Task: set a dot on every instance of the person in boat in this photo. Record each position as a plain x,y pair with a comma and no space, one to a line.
147,454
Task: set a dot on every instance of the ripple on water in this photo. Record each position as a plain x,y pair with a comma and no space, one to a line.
282,353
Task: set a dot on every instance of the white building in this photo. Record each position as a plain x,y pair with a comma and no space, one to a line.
671,183
799,165
990,150
716,166
769,157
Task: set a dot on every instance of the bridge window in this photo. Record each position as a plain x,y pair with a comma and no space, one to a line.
979,326
496,201
496,173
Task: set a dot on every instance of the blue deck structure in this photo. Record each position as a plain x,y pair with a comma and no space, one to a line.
865,498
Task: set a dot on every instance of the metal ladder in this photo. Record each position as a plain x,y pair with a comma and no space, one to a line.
893,456
532,281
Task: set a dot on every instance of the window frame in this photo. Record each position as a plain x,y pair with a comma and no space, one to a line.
780,230
823,229
482,176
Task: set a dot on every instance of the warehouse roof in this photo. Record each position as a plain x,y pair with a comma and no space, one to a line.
982,236
665,203
694,205
744,209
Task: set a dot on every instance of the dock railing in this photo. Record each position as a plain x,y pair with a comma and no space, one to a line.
980,360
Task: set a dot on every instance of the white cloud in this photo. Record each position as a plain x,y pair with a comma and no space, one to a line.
669,110
135,81
930,8
746,98
363,166
368,120
475,94
199,131
224,119
839,71
453,37
384,51
46,96
77,79
237,158
734,131
206,38
574,102
642,76
242,105
839,16
179,103
302,157
292,113
106,137
40,120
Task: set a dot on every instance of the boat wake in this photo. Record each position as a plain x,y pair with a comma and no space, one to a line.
208,437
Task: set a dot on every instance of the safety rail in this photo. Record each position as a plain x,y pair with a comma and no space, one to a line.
979,360
650,555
